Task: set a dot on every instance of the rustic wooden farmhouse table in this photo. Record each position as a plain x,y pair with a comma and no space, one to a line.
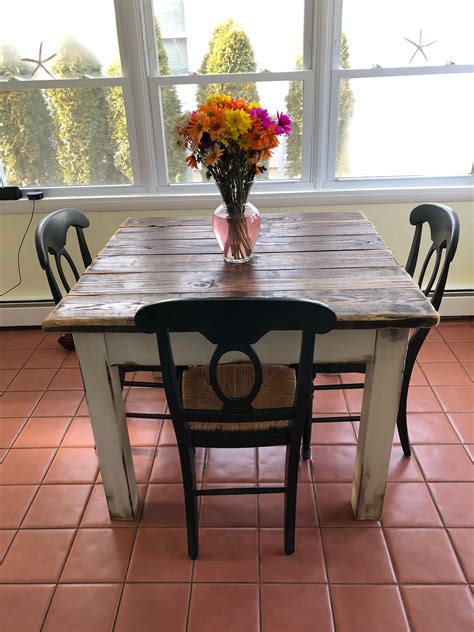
334,257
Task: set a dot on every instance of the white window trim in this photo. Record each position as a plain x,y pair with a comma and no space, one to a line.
321,76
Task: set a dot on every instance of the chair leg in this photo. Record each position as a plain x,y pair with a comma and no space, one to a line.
402,417
66,341
190,499
291,484
121,375
307,430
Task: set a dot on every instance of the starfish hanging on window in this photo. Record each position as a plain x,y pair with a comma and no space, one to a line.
40,63
419,47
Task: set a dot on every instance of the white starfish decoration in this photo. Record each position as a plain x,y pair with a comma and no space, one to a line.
40,63
419,47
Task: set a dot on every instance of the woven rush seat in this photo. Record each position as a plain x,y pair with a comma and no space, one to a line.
236,380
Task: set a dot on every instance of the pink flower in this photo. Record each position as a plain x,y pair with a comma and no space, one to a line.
283,125
262,116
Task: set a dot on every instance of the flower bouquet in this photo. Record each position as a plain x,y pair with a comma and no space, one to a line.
232,140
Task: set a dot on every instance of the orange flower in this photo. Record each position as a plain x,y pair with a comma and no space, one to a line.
212,155
198,124
192,162
236,104
215,117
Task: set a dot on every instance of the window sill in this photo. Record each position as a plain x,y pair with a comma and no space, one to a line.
280,197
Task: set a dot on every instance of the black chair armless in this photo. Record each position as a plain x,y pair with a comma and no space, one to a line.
444,232
50,238
235,405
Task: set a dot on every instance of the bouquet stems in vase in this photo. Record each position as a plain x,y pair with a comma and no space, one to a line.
236,222
232,140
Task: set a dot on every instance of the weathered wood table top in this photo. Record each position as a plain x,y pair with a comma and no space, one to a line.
334,257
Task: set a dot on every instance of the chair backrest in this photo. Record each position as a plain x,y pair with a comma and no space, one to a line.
51,237
235,324
444,227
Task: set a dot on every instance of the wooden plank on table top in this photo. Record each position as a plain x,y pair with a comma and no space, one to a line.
264,261
330,216
252,280
209,246
357,308
288,229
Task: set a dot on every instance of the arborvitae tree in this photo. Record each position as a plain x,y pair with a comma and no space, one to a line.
346,108
294,103
294,106
171,108
118,143
27,144
81,120
229,51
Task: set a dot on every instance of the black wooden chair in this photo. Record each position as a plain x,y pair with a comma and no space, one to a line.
50,239
237,405
444,227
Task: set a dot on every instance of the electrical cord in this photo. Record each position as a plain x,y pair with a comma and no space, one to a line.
19,251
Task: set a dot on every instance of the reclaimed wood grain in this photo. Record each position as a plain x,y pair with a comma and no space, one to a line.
284,229
266,244
151,282
269,261
334,257
358,308
322,216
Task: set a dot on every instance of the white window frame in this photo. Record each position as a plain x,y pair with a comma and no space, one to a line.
321,76
331,181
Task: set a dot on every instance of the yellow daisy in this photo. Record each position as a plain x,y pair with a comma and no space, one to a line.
237,122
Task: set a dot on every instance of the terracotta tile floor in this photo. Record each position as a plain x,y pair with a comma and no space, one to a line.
67,566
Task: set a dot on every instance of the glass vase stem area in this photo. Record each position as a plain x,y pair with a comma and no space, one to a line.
236,224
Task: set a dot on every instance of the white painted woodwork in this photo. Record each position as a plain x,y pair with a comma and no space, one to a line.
381,398
276,347
107,415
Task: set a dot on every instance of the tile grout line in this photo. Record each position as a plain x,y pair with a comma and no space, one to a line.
139,517
323,551
199,510
433,500
73,539
18,370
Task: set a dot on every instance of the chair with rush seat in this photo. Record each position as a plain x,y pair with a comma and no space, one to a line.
237,404
50,239
444,232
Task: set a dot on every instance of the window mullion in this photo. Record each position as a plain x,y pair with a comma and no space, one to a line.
309,100
324,37
134,56
308,37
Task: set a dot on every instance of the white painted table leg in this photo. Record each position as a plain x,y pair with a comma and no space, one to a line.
383,384
107,414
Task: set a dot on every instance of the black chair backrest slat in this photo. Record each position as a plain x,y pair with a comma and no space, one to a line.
229,402
50,239
427,287
58,256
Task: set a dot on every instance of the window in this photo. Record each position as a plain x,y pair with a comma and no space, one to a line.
62,111
380,94
405,91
